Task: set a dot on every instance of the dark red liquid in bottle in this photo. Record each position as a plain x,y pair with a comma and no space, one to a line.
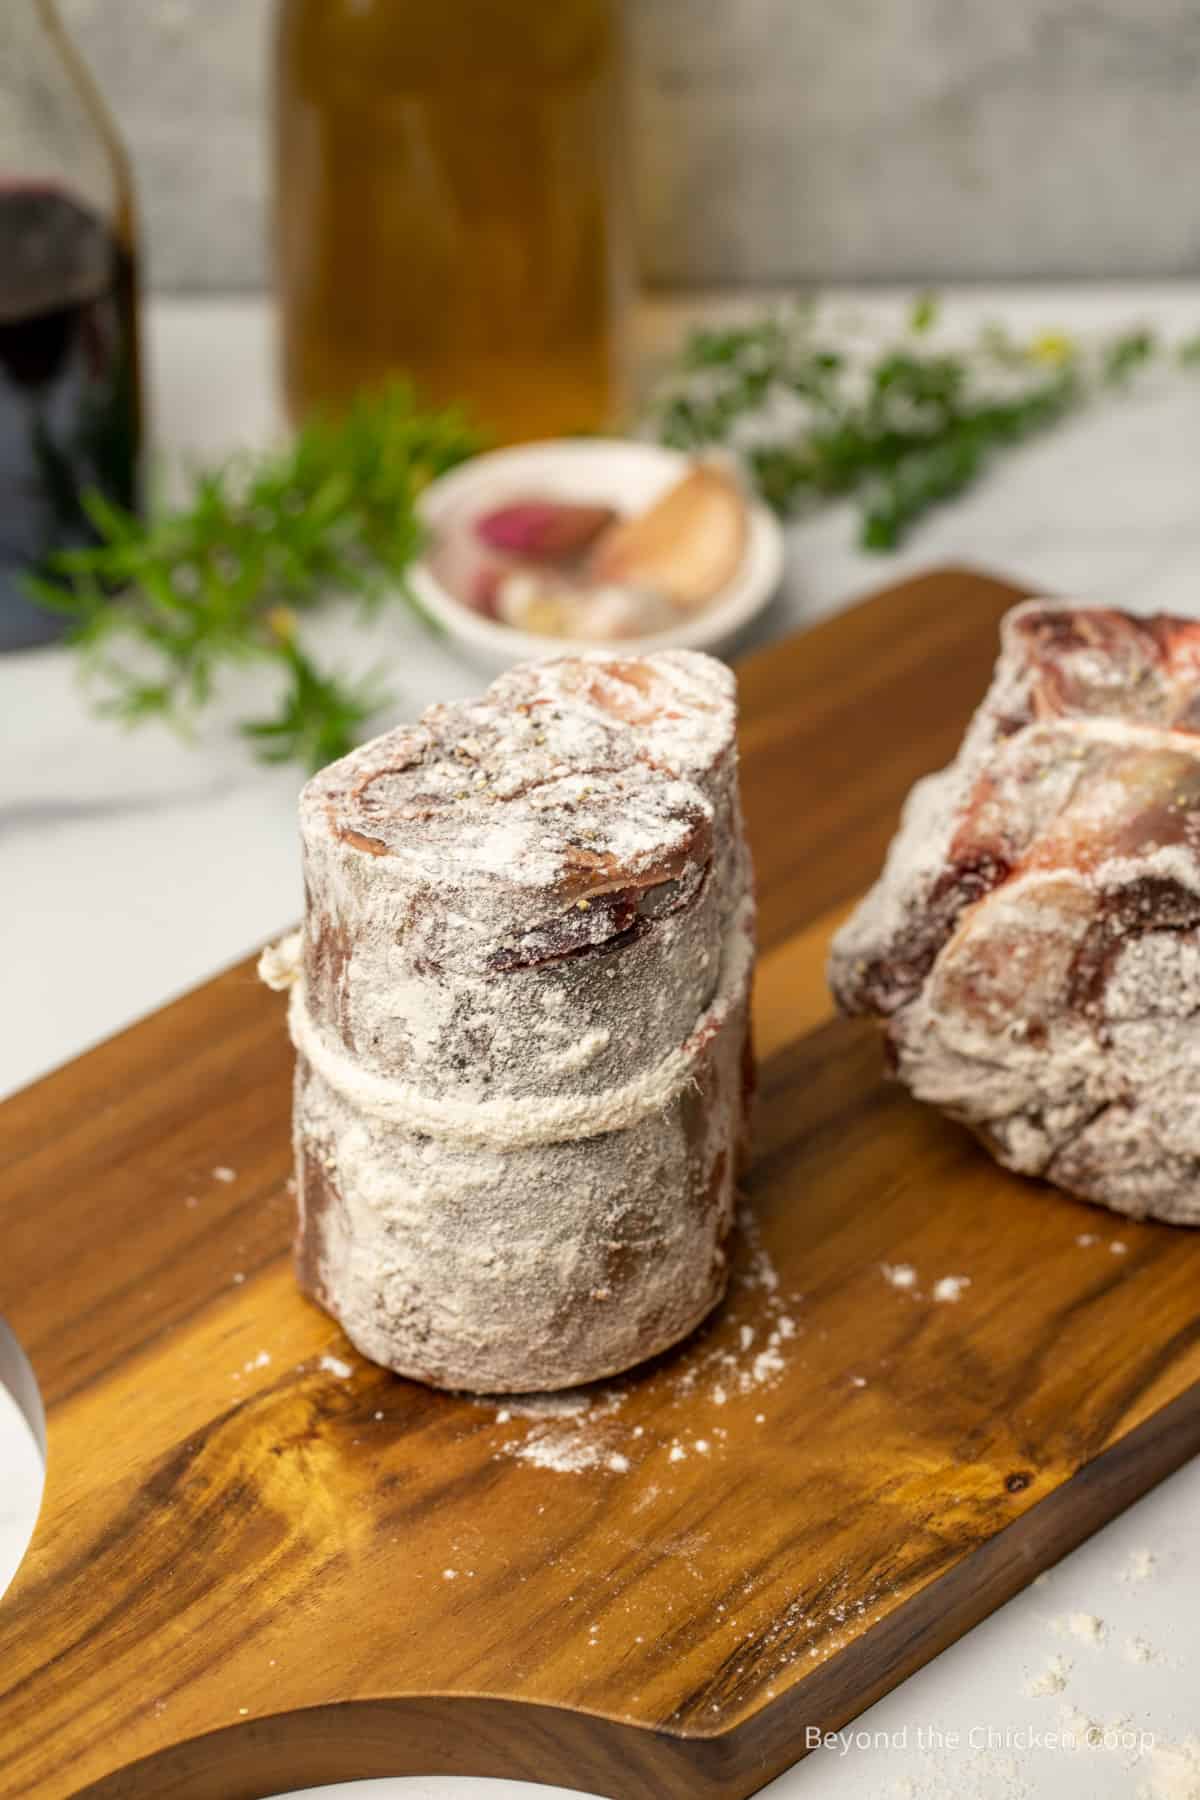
70,417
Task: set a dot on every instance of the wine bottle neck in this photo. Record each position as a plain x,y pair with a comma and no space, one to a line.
55,129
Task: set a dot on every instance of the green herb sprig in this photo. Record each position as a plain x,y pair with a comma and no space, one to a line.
899,429
163,607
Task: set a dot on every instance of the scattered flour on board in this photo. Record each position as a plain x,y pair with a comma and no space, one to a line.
333,1365
568,1452
223,1173
567,1432
900,1275
903,1276
743,1354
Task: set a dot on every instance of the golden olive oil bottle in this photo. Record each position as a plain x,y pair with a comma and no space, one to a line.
451,205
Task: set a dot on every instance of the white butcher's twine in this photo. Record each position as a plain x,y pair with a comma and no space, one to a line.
521,1122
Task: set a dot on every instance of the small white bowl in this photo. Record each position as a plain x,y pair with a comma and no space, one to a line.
617,472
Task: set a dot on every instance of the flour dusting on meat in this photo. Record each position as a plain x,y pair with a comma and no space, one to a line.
1033,945
521,1012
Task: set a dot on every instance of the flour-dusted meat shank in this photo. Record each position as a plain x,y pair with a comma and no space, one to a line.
1032,947
521,1024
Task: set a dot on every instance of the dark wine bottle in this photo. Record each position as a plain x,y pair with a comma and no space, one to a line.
70,409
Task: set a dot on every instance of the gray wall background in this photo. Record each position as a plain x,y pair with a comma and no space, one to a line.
775,140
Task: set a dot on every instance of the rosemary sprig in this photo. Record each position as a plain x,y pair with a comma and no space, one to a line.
899,428
163,607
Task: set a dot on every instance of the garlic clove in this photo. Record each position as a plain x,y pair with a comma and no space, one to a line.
531,601
543,530
686,547
528,602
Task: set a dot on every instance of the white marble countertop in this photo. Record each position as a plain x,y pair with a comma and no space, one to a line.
135,866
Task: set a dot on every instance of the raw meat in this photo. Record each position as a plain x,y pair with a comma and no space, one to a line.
1032,948
521,1018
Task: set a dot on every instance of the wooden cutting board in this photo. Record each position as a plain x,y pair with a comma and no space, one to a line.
255,1570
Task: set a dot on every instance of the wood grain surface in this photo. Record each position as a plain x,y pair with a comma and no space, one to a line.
255,1571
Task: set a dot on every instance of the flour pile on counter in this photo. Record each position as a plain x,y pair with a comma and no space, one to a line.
1052,1680
1085,1626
